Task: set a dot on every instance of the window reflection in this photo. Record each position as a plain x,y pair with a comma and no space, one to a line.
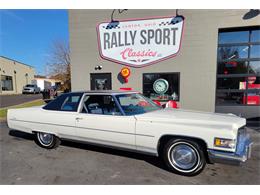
233,37
230,53
255,51
254,67
255,36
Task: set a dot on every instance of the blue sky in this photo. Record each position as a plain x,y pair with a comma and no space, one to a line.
27,35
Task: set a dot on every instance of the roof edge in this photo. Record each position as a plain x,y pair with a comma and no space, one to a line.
16,61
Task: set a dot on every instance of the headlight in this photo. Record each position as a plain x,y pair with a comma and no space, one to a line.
224,143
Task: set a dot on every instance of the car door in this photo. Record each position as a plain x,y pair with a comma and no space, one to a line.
101,121
59,115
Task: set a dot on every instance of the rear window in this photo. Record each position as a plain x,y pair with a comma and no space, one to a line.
65,102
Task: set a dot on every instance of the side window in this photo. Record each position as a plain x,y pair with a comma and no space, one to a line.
65,102
71,103
100,104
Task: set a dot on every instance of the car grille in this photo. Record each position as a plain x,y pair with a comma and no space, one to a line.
242,138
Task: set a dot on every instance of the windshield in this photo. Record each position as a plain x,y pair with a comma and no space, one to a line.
135,103
29,86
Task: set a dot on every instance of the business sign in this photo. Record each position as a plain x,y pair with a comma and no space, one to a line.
140,42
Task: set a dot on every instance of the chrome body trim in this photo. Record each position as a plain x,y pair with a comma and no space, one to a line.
242,153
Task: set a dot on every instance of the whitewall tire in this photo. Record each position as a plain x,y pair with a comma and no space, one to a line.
47,140
185,157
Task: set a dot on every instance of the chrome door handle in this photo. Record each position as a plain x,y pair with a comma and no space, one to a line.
78,118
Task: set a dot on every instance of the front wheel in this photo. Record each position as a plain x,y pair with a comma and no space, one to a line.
184,157
47,140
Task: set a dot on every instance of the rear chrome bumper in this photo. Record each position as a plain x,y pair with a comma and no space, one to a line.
242,153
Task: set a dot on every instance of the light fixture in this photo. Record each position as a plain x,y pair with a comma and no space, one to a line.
251,14
98,67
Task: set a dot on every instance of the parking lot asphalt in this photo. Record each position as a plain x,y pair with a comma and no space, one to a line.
10,100
23,162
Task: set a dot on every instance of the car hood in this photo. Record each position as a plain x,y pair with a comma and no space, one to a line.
190,117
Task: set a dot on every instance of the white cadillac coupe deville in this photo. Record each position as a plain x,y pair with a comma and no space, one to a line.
186,140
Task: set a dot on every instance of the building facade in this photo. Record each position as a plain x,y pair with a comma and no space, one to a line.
212,65
14,76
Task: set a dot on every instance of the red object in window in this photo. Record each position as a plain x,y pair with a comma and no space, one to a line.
253,86
126,88
225,72
172,104
143,103
251,80
252,100
157,102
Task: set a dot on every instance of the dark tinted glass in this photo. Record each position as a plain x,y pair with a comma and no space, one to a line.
233,37
65,102
172,92
232,67
230,98
231,83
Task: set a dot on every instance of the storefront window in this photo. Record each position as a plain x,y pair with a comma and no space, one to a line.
238,67
6,83
161,86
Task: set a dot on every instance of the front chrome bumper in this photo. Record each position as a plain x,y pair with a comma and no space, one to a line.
242,153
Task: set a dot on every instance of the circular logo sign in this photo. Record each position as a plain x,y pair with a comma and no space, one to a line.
125,72
160,86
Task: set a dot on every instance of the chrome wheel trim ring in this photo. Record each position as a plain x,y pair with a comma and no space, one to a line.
173,162
45,139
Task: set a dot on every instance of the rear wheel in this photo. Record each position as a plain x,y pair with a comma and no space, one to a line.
47,140
185,157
